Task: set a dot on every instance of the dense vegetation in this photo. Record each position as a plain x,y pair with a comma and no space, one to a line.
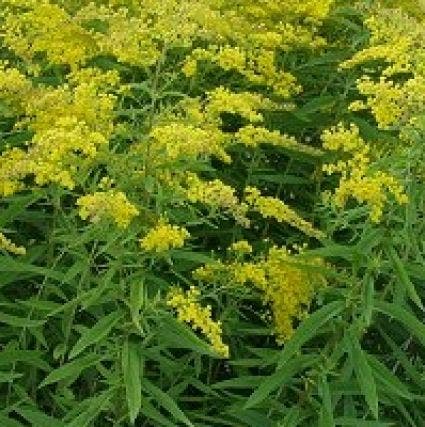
212,213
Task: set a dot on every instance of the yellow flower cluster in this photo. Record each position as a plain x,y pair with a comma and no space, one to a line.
241,247
164,237
248,36
246,104
396,45
70,123
286,281
391,103
189,310
271,207
46,28
14,167
413,7
138,32
258,65
371,190
8,246
110,204
14,87
216,194
179,141
252,136
358,179
194,130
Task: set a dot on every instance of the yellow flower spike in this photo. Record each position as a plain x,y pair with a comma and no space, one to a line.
246,104
189,310
8,246
14,166
164,237
271,207
47,28
216,194
252,136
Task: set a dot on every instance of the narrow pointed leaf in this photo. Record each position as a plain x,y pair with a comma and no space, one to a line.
364,374
166,402
403,277
70,369
415,326
132,367
97,404
309,328
95,334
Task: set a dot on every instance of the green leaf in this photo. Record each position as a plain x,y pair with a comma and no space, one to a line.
355,422
369,291
96,405
240,382
364,373
95,334
166,402
38,418
9,422
384,376
326,412
309,328
415,326
16,206
195,257
29,357
404,277
279,379
20,322
251,418
137,294
10,265
349,253
6,377
148,410
404,360
132,370
70,369
292,418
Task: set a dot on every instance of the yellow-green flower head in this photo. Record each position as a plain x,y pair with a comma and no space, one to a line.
164,237
110,204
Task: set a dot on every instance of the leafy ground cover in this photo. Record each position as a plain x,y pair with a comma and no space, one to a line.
211,213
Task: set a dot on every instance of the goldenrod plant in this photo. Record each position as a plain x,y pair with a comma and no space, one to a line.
211,213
